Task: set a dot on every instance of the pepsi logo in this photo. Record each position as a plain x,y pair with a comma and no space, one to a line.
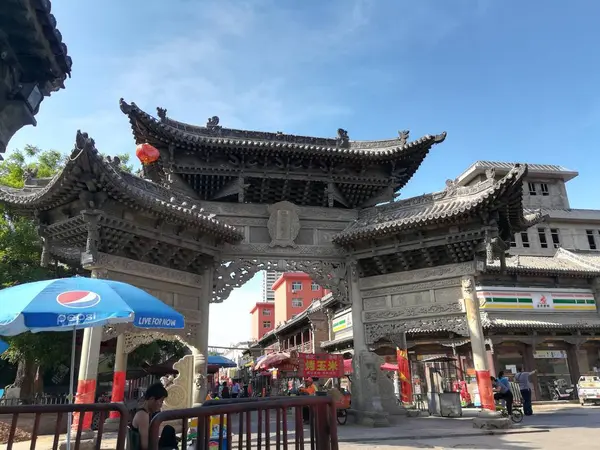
78,299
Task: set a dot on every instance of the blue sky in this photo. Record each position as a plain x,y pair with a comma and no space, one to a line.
508,80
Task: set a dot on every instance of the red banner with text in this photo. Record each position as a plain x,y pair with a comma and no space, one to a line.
320,365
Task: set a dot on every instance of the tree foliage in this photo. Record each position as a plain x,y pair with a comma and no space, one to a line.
20,253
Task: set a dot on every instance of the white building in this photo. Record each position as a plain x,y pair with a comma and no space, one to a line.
269,277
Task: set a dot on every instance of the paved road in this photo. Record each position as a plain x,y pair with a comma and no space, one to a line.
567,428
563,428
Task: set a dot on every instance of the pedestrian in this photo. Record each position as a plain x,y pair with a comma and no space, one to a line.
522,378
225,390
502,392
235,389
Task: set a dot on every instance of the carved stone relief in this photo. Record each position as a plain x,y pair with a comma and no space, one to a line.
453,323
447,295
411,299
129,266
374,303
420,275
414,311
232,274
180,391
410,287
283,224
299,251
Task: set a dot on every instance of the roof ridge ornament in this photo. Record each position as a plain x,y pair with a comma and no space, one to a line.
213,123
343,141
161,113
403,136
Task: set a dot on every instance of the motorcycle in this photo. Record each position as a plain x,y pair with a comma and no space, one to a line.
560,390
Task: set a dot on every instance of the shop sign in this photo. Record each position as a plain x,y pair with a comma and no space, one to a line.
341,323
321,365
536,299
550,354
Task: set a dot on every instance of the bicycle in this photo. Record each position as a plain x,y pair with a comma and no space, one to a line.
516,416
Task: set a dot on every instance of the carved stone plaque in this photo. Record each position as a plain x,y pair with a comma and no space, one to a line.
283,224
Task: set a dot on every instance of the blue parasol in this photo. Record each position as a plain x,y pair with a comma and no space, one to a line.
69,304
221,361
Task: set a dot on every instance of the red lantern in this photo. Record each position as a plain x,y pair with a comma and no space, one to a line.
147,154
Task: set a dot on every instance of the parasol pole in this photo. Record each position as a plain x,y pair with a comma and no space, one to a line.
71,381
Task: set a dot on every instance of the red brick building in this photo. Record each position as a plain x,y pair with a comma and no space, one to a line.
294,292
263,319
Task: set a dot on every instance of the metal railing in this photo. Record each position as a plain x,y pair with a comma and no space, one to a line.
246,424
61,412
40,399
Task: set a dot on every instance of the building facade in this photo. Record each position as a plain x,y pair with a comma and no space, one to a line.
263,319
269,278
539,311
294,292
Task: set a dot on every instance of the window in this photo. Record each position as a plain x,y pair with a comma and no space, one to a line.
314,286
296,285
297,302
544,189
525,239
591,240
555,237
513,241
542,235
266,312
267,324
532,190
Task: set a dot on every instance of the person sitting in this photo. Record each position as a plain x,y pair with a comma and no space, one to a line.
502,392
140,425
168,439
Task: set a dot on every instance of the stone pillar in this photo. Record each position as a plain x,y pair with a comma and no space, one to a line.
477,343
492,360
366,401
88,367
573,363
119,375
200,347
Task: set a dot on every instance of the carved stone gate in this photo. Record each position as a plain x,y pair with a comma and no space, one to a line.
214,206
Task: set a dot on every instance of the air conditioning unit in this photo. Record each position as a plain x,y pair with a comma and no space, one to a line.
294,291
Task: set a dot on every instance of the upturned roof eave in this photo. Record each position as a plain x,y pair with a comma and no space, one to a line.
494,192
46,197
162,131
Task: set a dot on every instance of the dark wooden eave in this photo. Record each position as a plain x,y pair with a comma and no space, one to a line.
89,177
448,207
36,45
145,126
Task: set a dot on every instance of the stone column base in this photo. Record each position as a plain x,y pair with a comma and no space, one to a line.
369,418
87,442
491,420
112,424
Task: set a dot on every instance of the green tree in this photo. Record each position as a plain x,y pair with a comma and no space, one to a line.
20,254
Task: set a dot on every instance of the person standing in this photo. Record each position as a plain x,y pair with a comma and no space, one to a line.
522,378
225,390
235,389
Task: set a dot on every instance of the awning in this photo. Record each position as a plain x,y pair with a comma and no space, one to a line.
220,361
533,320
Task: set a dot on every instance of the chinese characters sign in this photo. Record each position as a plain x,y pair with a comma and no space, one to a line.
321,365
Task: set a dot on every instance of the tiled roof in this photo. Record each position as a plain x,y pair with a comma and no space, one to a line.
563,262
509,166
444,206
190,136
539,320
38,46
67,185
